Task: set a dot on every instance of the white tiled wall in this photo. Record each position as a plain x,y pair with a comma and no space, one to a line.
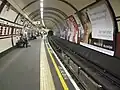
5,44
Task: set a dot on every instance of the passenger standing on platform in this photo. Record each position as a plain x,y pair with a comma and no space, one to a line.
25,37
21,38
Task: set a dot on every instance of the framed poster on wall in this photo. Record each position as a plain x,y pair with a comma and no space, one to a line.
99,31
73,31
80,28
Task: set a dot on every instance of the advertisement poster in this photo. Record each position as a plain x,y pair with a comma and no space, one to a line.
73,31
98,27
62,32
118,41
87,27
80,28
70,31
102,23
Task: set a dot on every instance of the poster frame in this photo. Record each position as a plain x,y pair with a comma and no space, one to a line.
115,26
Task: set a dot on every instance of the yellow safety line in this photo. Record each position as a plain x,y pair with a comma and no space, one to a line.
58,71
46,79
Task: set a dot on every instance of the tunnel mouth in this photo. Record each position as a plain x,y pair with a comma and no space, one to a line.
50,33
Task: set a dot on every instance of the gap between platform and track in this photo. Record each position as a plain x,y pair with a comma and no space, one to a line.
50,50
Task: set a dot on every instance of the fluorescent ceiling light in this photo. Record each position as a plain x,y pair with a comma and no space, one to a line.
43,23
41,9
41,4
41,12
42,16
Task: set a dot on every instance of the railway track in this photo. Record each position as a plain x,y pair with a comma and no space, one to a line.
89,75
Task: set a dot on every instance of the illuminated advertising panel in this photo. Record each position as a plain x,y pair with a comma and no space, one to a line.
98,30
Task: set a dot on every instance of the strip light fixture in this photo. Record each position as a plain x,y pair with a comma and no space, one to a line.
41,11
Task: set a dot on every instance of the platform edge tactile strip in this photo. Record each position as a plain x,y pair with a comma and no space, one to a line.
46,80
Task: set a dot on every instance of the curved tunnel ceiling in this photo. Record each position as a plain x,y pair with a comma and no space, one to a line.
78,4
49,3
31,7
47,12
50,9
50,18
54,22
58,23
50,23
39,18
52,14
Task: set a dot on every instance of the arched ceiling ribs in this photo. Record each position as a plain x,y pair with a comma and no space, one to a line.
50,9
53,22
50,20
58,26
38,18
59,22
29,4
50,17
49,23
46,10
69,4
49,13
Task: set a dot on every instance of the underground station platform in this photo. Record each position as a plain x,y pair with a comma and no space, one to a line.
47,64
34,68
